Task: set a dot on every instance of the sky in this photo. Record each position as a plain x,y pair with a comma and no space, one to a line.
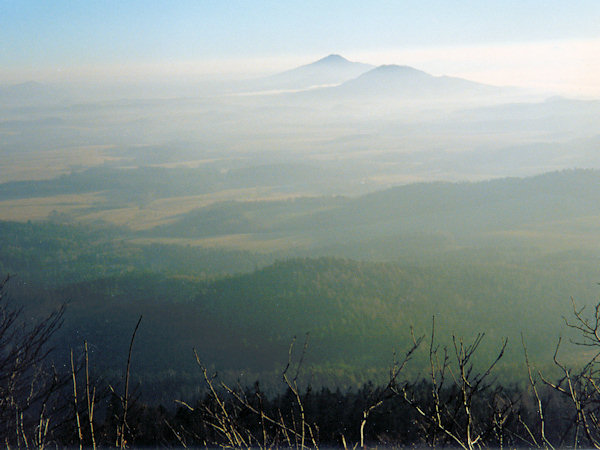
544,44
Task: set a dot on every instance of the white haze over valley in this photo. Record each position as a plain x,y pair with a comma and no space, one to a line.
362,127
304,98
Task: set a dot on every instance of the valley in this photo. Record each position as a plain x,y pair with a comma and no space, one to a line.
340,203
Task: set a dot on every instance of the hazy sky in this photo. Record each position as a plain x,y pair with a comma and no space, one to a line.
532,42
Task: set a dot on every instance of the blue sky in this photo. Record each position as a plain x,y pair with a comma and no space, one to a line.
60,38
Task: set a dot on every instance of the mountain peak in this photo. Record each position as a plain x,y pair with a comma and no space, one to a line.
333,58
391,74
332,69
406,82
394,68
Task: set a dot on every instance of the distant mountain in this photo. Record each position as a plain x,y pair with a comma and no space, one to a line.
404,82
31,93
333,69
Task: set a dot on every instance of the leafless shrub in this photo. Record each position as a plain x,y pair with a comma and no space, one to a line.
464,408
581,387
29,385
226,410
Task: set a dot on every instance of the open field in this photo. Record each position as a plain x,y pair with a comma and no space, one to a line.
29,164
92,207
248,242
40,208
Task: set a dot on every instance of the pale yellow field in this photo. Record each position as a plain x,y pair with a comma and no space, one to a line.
159,212
38,208
51,163
153,214
559,240
583,224
250,242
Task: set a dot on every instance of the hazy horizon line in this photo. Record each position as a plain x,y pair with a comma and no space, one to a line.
560,66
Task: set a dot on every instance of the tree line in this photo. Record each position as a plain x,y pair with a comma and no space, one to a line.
456,401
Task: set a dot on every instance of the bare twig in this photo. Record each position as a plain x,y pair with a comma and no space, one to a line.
78,423
540,409
90,396
121,441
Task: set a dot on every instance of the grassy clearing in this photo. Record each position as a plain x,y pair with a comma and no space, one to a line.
554,239
136,217
250,242
52,163
39,208
162,211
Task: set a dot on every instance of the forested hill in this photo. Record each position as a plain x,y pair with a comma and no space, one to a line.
45,254
468,207
581,185
555,204
241,309
364,310
122,185
356,313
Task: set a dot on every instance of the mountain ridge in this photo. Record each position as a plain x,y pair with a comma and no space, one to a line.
408,82
330,70
334,78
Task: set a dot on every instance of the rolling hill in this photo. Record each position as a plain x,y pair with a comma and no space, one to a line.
332,69
558,205
357,313
395,80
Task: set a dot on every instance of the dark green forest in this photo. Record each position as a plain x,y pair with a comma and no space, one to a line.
502,257
496,263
